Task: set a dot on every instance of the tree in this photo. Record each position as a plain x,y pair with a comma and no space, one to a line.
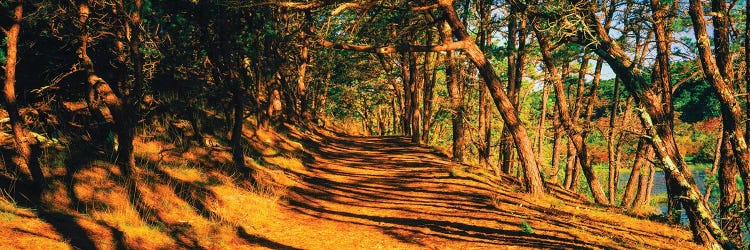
22,140
573,133
532,175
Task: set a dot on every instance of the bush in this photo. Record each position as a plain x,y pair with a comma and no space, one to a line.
705,153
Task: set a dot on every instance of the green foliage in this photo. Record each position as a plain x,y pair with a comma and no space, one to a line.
526,228
705,153
696,101
3,43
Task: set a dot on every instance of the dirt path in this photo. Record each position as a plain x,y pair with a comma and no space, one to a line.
383,192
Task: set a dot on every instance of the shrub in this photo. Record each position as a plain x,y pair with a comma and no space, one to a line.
705,153
526,228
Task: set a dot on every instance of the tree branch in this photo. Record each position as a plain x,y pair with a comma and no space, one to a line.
292,5
345,6
393,49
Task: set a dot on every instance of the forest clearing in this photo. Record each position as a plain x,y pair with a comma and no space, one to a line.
369,124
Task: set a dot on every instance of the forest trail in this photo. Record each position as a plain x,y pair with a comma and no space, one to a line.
384,192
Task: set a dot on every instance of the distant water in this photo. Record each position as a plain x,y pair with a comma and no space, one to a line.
660,187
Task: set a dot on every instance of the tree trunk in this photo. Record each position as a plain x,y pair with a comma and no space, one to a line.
635,175
122,112
428,95
714,166
484,127
612,151
126,128
505,152
23,158
570,150
456,99
646,179
713,74
541,127
415,91
397,99
575,136
301,85
730,200
652,174
570,166
532,176
238,153
614,172
485,113
406,81
556,144
575,162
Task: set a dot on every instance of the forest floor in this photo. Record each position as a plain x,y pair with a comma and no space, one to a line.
313,190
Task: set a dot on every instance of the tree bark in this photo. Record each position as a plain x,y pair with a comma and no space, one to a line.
730,107
575,162
238,153
571,174
415,92
612,153
645,181
505,152
570,157
730,200
714,166
456,99
485,113
532,176
484,127
406,81
633,183
556,144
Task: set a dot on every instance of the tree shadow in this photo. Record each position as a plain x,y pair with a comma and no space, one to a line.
26,194
255,239
408,192
193,194
67,226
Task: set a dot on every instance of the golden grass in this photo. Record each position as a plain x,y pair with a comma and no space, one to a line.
22,229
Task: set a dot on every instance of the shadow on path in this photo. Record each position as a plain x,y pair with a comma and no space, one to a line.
409,193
